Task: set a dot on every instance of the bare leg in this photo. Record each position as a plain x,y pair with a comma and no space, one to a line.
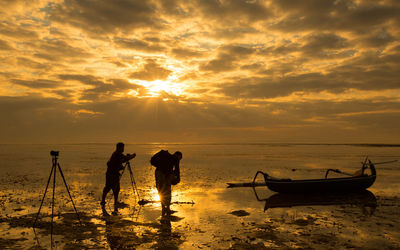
103,200
164,191
105,192
116,193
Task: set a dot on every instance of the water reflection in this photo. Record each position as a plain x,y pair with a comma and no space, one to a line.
123,233
365,199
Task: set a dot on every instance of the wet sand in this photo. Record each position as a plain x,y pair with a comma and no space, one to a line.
208,215
220,218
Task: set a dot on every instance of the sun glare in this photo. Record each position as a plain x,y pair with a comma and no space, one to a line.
158,87
154,195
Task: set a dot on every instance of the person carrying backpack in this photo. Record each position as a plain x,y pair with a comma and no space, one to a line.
167,173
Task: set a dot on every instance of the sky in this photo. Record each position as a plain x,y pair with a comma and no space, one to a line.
200,71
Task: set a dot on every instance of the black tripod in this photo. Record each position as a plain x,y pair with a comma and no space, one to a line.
133,183
54,167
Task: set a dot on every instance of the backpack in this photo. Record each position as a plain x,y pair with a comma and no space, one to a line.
159,158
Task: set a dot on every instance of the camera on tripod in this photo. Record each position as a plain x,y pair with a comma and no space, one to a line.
54,153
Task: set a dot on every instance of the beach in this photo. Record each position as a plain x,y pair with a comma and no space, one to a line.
208,214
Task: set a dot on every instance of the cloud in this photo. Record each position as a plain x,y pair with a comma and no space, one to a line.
333,15
151,71
322,42
85,79
367,72
59,50
376,39
234,11
42,119
263,87
17,31
107,90
245,69
99,88
32,64
139,45
38,83
186,53
106,16
4,45
226,58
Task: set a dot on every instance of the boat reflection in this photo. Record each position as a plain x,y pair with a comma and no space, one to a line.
365,199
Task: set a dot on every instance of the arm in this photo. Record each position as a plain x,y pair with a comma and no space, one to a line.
120,159
128,157
176,169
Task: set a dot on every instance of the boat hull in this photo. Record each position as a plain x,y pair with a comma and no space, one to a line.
350,184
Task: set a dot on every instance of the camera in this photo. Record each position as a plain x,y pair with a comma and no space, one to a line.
54,153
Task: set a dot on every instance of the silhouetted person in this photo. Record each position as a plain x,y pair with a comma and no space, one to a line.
114,166
167,173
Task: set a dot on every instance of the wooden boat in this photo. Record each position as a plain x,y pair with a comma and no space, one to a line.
353,183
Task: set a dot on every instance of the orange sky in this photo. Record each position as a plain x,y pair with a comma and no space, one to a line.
200,71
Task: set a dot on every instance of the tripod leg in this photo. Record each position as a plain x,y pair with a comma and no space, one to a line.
44,195
73,204
52,205
133,182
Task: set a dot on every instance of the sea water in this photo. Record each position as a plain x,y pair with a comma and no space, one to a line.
207,164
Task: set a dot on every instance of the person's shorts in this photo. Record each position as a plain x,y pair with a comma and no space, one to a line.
112,180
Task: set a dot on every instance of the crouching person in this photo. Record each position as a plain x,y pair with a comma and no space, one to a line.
167,173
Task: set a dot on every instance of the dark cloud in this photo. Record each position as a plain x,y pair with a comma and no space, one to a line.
106,16
106,90
269,87
370,71
280,49
29,63
233,32
367,72
323,42
139,45
151,71
234,11
186,53
100,88
122,84
16,31
376,39
42,119
4,45
333,15
253,66
223,62
38,83
59,50
85,79
174,8
65,93
227,58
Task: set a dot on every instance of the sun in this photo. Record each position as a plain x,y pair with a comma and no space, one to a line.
158,87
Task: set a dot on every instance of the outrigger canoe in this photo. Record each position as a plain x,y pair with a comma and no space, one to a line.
355,183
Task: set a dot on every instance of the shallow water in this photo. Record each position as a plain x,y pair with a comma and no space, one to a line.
220,218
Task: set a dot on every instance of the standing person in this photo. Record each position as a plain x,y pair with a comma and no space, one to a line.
167,173
114,166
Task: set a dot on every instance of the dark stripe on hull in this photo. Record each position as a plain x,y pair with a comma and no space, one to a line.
351,184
